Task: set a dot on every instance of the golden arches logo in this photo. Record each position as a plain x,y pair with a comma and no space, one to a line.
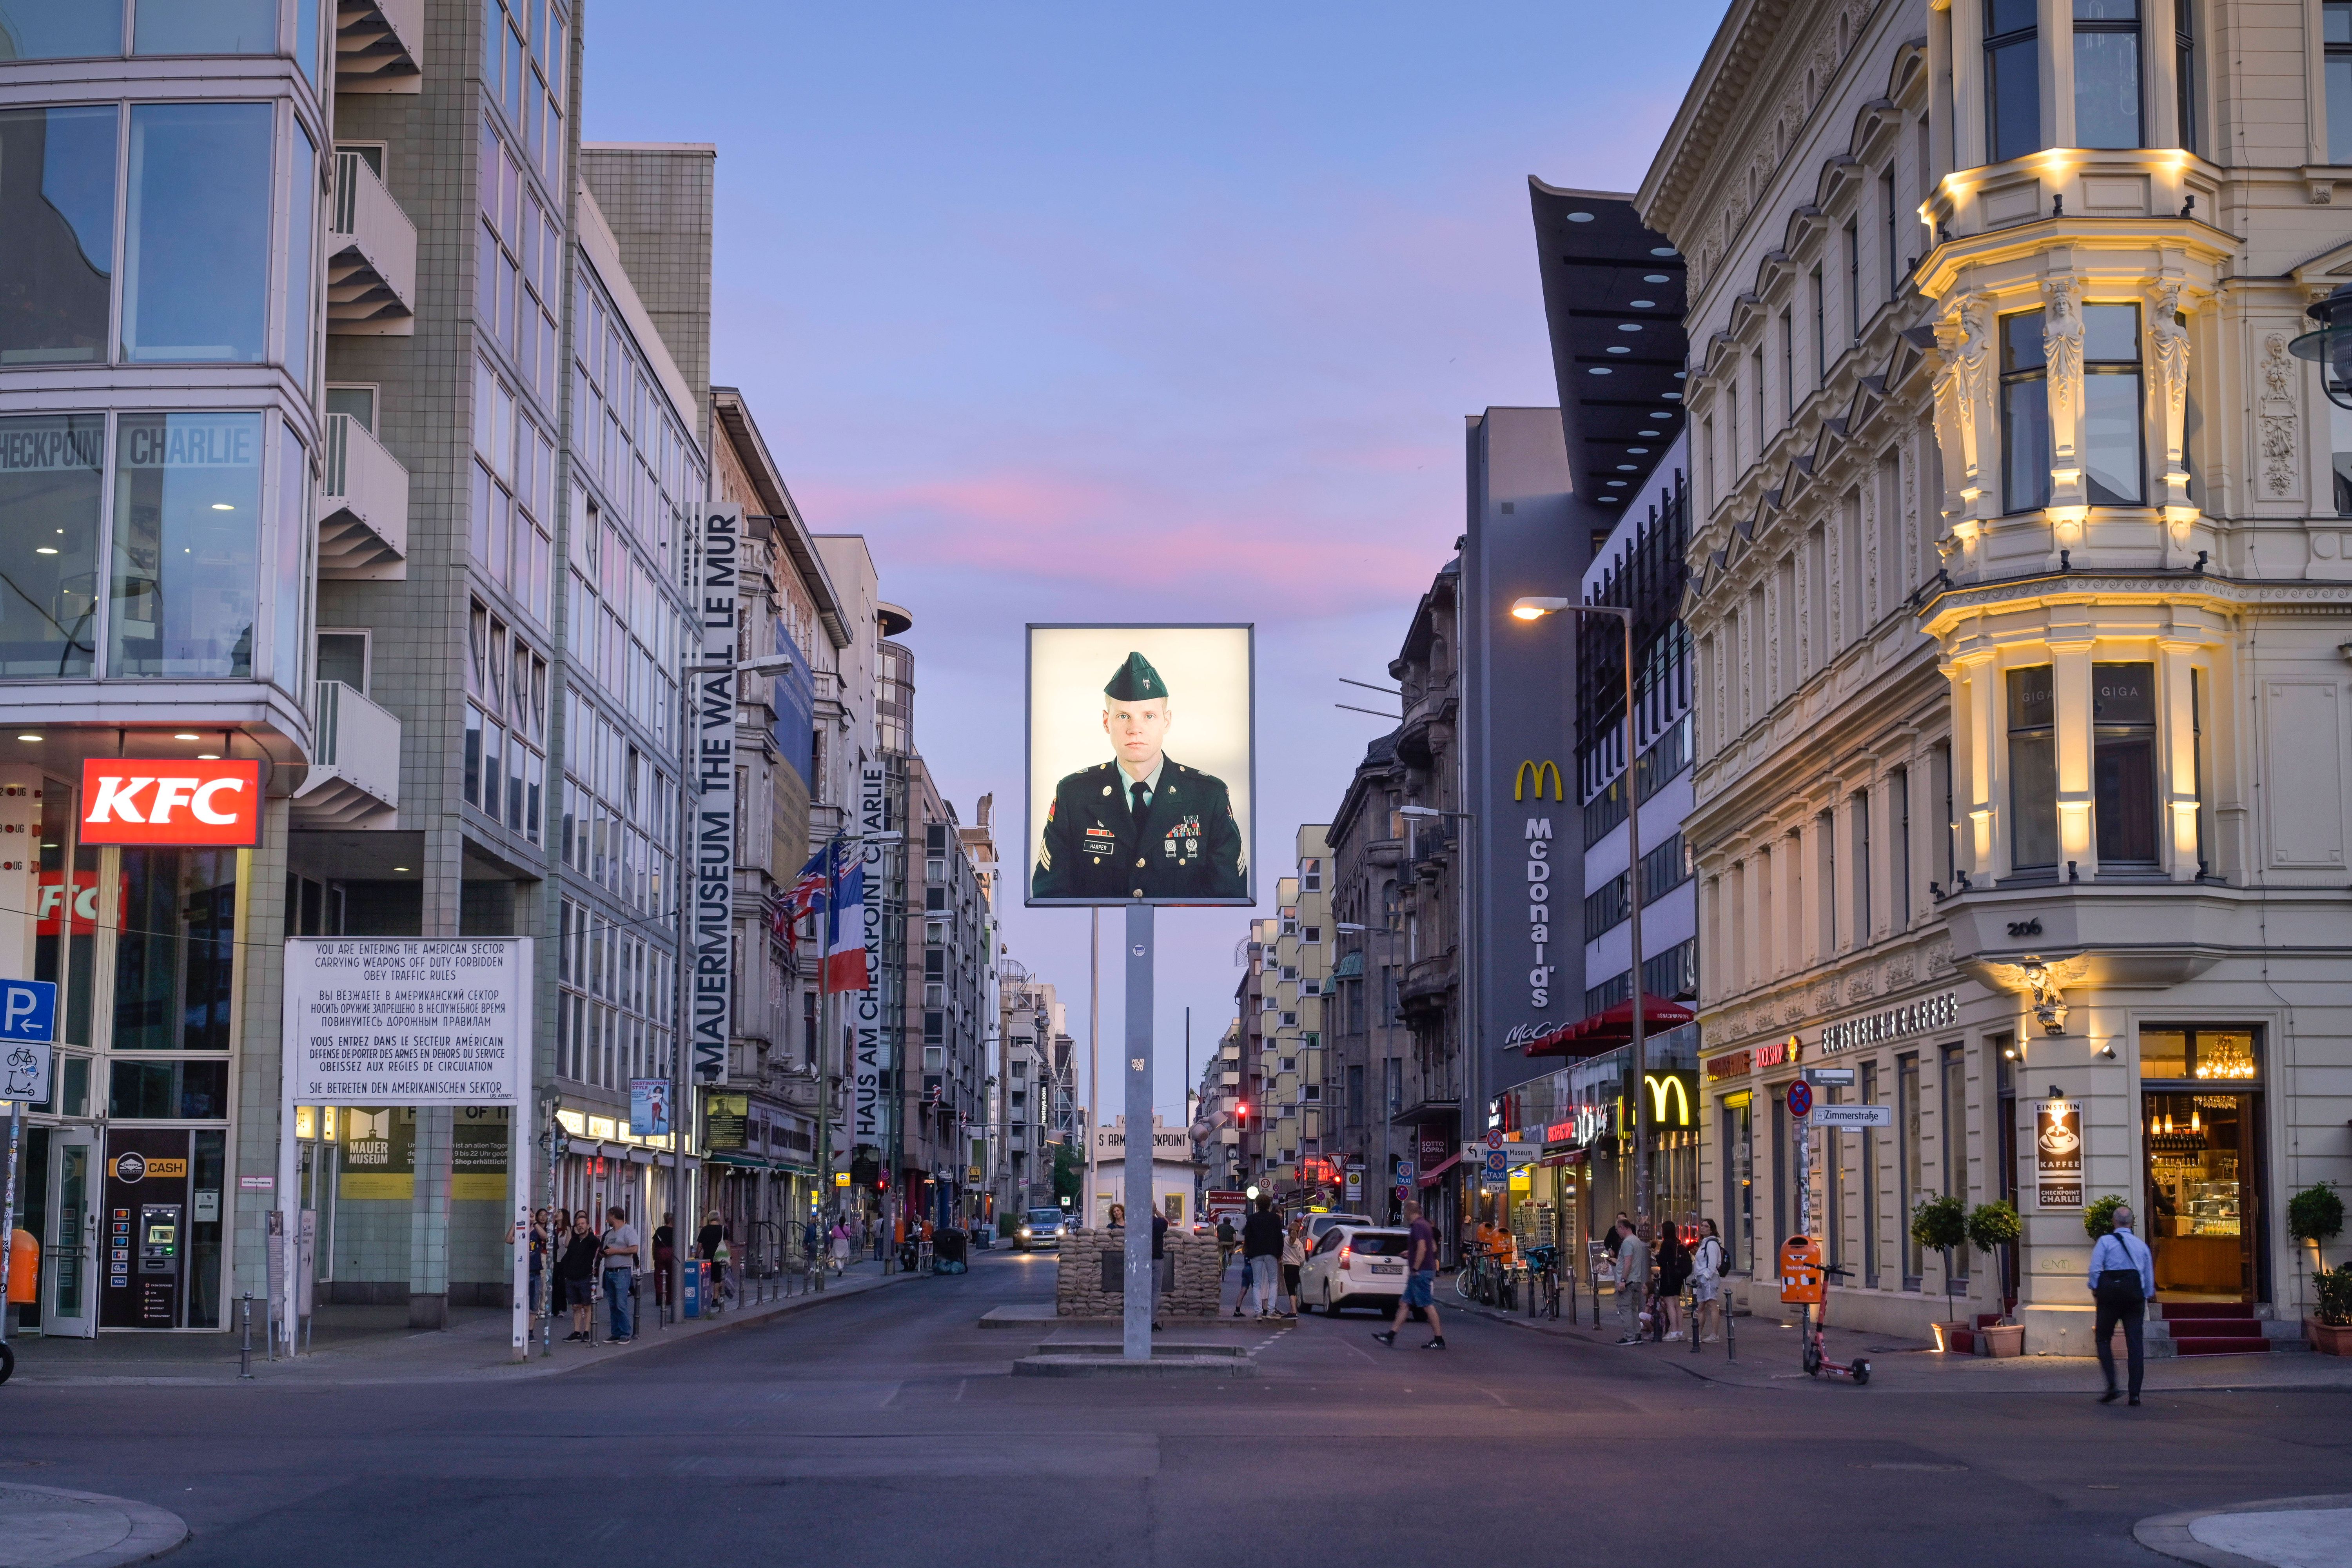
1666,1086
1539,771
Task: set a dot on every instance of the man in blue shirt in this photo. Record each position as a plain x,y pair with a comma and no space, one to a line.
2123,1281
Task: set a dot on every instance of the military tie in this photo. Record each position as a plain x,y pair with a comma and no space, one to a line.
1140,794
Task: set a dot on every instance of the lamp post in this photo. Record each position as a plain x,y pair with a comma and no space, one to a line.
1535,609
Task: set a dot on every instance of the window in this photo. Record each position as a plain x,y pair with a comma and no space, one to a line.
1731,444
1833,1187
2013,80
187,527
301,226
2106,73
51,32
1908,1168
1899,804
197,253
1664,869
1952,1132
2024,413
2112,458
202,27
57,233
1763,405
2033,771
1939,782
2123,761
1782,1176
1886,208
1869,1087
1820,333
1606,906
2184,47
1861,808
51,484
2196,757
2335,22
1854,279
1789,364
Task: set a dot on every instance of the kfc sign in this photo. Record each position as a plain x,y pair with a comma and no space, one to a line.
155,801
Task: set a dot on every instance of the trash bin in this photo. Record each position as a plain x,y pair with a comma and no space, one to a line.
948,1251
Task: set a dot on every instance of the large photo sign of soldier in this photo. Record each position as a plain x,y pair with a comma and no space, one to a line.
1141,765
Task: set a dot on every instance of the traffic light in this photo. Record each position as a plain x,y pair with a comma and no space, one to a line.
1241,1112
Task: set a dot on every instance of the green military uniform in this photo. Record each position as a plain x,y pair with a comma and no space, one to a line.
1184,844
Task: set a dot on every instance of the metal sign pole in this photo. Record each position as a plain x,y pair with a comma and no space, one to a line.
519,1184
1140,1202
8,1211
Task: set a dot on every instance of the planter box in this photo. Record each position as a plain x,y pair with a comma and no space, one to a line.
2328,1339
2003,1339
1955,1339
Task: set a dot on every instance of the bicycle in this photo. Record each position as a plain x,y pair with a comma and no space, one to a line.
1542,1270
1817,1360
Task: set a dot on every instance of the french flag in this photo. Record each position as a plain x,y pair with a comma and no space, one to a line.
844,922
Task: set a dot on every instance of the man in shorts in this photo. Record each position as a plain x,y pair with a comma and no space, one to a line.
1419,1280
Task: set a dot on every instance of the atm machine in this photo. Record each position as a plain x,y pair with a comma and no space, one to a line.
159,1248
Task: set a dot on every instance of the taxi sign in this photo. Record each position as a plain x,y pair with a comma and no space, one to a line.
1801,1100
1802,1281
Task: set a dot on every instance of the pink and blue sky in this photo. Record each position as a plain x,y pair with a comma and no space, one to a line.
1093,312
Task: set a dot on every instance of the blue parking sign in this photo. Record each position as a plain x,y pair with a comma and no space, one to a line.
28,1010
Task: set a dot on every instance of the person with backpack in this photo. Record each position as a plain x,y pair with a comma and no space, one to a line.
1707,1261
1262,1246
2122,1279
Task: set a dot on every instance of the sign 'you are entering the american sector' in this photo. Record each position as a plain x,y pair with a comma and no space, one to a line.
408,1020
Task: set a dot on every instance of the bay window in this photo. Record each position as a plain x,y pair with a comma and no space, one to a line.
2033,770
2024,413
2106,73
2013,79
183,599
2113,459
196,257
57,233
52,472
2123,761
203,27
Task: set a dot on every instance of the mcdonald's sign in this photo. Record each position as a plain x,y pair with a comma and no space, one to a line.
1539,772
1670,1093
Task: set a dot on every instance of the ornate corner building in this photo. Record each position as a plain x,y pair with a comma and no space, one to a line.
2020,583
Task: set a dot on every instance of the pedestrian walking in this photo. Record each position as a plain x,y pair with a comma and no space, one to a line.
1419,1280
1163,1274
1674,1273
620,1246
711,1246
1262,1248
1294,1258
1633,1281
842,1243
1227,1241
1707,1261
2122,1279
575,1275
665,1262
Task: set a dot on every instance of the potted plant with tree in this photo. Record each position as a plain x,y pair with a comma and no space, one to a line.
2315,1215
1941,1224
1992,1227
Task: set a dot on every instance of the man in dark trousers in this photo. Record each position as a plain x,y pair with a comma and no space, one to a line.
2122,1278
1262,1253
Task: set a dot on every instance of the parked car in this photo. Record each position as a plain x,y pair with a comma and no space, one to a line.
1039,1228
1354,1266
1318,1224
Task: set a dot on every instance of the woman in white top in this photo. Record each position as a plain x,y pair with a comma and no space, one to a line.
1707,1259
1294,1258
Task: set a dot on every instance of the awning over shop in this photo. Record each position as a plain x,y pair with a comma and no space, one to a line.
1608,1029
1429,1177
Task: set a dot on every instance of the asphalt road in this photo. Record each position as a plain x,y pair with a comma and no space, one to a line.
885,1430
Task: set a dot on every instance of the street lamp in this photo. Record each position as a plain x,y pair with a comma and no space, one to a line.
1535,609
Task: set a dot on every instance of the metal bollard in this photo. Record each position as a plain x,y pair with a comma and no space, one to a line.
245,1351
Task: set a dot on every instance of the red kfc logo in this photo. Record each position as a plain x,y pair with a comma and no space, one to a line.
155,801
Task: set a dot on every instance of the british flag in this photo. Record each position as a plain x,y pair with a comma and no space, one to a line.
806,893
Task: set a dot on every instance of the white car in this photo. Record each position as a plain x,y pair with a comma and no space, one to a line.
1355,1266
1317,1224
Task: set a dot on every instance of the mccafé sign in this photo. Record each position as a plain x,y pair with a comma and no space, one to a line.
131,801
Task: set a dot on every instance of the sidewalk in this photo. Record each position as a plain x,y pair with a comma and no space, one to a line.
375,1344
42,1527
1769,1357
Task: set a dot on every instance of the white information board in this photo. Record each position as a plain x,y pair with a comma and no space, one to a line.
407,1020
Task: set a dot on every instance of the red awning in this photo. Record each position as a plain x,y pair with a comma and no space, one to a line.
1429,1177
1608,1029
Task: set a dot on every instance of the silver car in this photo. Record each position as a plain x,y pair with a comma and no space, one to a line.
1039,1228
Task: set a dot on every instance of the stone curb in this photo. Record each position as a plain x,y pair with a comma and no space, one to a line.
154,1531
2167,1534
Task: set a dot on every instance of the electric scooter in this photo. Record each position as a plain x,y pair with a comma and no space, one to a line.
1817,1360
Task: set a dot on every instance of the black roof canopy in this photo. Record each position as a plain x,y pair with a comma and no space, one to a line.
1613,295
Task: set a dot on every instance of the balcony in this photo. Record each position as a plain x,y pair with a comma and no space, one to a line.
378,46
371,256
354,780
362,507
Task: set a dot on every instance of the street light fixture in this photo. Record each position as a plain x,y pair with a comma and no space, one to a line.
1535,609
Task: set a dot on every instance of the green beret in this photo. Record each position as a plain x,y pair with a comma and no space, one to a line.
1135,681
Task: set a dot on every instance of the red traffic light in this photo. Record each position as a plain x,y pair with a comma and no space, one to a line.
1240,1109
